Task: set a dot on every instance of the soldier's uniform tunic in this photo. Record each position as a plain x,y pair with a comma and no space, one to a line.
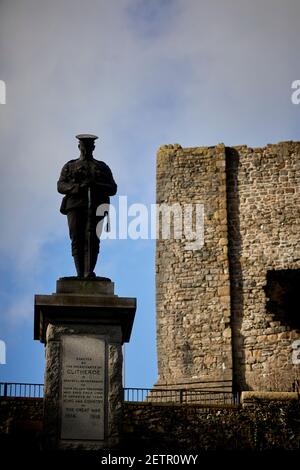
98,176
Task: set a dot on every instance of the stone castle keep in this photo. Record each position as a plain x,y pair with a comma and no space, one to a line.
228,314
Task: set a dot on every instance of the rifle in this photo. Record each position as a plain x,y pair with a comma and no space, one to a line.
90,228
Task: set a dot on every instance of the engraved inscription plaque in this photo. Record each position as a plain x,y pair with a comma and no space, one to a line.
82,388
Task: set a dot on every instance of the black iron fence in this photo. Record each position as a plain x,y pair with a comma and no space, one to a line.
23,390
181,395
146,395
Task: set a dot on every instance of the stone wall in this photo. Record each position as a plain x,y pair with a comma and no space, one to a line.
192,286
168,428
264,233
213,312
21,422
183,429
20,411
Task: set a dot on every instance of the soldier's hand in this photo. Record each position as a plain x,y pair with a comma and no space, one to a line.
75,189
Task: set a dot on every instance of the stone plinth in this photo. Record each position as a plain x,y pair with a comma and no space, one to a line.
83,326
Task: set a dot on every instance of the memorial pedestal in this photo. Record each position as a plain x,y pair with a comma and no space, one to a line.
83,326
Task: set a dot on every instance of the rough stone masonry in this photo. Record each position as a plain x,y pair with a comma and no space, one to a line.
228,314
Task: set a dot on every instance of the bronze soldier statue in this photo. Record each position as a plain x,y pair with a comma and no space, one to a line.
86,183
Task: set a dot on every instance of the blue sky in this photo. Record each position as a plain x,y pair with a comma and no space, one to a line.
139,74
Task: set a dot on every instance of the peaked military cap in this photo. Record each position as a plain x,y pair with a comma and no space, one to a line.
86,137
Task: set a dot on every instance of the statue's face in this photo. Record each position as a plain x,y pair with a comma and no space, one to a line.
86,148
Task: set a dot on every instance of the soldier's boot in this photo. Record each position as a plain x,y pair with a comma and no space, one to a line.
89,271
93,263
78,260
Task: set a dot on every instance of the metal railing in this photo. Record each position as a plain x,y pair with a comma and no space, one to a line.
146,395
181,395
22,390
